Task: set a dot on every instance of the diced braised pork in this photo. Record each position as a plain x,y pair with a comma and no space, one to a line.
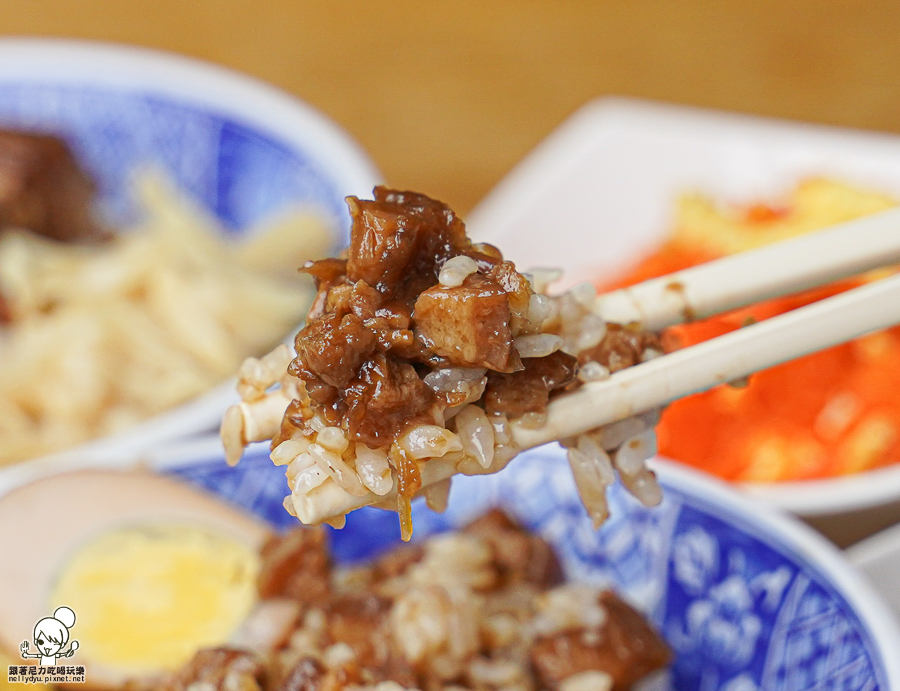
621,347
529,390
400,239
295,565
386,396
43,189
518,554
626,647
468,325
359,621
333,347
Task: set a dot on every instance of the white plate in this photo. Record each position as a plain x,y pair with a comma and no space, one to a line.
599,193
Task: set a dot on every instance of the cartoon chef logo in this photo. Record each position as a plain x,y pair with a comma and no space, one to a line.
51,634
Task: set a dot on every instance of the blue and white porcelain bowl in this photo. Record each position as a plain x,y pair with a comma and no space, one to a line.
748,598
240,148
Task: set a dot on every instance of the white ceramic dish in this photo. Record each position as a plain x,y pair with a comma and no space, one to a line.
878,557
241,148
599,192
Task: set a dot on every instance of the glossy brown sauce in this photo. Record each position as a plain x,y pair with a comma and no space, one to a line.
382,321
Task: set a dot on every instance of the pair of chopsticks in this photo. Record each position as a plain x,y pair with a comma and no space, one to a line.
736,281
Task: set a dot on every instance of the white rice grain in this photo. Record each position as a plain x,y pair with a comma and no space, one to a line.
570,312
537,313
429,441
455,271
232,434
338,655
591,474
278,360
308,479
496,674
373,469
254,377
294,389
585,294
288,450
537,345
634,452
532,420
502,434
614,434
542,277
500,630
317,423
304,474
469,381
589,447
437,495
299,463
651,417
338,469
333,439
651,354
591,332
644,487
503,454
476,434
593,371
568,607
631,459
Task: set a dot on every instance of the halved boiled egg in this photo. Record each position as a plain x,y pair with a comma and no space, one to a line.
152,569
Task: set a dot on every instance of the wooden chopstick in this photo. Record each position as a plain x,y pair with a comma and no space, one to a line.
817,326
749,277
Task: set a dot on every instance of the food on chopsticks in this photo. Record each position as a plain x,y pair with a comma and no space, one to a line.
98,337
421,354
826,414
480,609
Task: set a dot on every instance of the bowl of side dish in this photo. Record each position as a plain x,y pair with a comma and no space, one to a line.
743,596
216,188
641,189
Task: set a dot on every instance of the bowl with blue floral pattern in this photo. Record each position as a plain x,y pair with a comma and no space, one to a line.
747,597
240,149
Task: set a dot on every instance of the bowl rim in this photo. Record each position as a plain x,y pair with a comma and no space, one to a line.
604,117
789,531
772,523
255,103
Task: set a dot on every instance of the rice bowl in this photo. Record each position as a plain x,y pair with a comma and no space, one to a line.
242,150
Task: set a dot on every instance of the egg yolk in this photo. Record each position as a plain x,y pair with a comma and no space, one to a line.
147,598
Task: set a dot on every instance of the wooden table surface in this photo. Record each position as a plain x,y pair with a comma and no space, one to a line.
448,96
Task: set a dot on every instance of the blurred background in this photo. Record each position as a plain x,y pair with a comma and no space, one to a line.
447,97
